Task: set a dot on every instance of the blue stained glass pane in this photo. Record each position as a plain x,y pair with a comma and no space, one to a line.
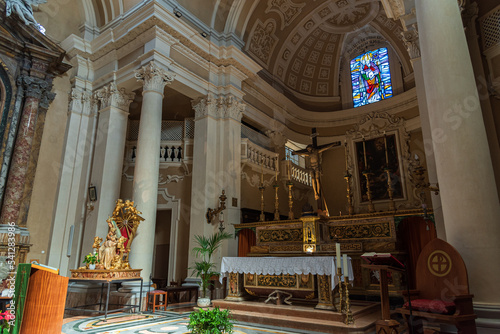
371,77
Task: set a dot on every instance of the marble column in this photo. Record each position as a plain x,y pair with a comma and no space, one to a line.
469,196
411,40
217,157
147,164
108,159
14,190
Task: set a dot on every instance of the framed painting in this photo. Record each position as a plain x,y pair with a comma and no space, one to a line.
379,153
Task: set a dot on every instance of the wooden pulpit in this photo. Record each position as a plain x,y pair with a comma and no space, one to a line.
39,298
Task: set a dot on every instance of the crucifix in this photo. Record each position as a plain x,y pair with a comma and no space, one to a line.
314,153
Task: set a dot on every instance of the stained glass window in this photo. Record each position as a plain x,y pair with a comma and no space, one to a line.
371,77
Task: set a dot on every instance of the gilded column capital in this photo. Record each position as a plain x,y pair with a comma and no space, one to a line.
112,96
153,77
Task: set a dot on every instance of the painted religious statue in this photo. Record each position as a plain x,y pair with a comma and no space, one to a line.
314,153
113,253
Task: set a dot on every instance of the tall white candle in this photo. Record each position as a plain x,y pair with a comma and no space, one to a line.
337,249
346,270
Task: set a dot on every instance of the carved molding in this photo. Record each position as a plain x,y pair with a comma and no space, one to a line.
153,77
394,8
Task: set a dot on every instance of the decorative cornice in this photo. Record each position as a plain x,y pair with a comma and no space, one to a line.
153,77
176,38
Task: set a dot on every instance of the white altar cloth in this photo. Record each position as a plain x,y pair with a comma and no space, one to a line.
318,265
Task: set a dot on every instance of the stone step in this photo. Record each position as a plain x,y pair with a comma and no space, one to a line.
303,318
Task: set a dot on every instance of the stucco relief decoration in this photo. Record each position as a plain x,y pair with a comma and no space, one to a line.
287,9
23,9
263,40
153,77
350,15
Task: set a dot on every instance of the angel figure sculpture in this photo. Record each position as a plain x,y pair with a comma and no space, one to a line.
23,9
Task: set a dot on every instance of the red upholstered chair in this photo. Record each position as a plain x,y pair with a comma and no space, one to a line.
442,290
157,299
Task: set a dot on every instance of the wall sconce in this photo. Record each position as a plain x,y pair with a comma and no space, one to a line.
204,34
211,213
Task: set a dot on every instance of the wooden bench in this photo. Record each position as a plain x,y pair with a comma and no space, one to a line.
441,286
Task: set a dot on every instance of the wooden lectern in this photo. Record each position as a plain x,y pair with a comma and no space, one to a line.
39,298
384,262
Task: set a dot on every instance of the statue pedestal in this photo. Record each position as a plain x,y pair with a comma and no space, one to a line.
99,274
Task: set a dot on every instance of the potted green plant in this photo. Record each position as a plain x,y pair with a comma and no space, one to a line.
212,321
204,268
90,260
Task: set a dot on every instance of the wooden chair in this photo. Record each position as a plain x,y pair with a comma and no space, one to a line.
441,286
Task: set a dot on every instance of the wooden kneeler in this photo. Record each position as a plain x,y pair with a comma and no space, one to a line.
442,294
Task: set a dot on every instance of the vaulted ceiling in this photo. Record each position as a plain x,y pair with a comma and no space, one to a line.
303,46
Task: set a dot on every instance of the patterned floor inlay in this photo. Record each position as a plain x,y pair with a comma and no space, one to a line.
148,323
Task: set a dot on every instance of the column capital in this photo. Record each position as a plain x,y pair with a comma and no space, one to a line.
153,77
34,87
112,96
232,107
228,106
411,39
277,137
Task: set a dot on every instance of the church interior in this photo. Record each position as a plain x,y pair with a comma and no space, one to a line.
359,139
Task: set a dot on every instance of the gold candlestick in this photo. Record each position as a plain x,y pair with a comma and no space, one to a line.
392,206
339,279
276,202
262,215
371,208
290,200
347,178
348,313
364,154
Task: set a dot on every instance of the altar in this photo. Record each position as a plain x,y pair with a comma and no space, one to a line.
305,277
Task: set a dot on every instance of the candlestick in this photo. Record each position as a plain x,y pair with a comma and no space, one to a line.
288,170
364,153
276,169
276,202
337,253
345,150
261,171
339,278
386,154
290,200
262,215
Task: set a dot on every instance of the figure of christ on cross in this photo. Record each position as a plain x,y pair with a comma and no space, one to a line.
314,153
